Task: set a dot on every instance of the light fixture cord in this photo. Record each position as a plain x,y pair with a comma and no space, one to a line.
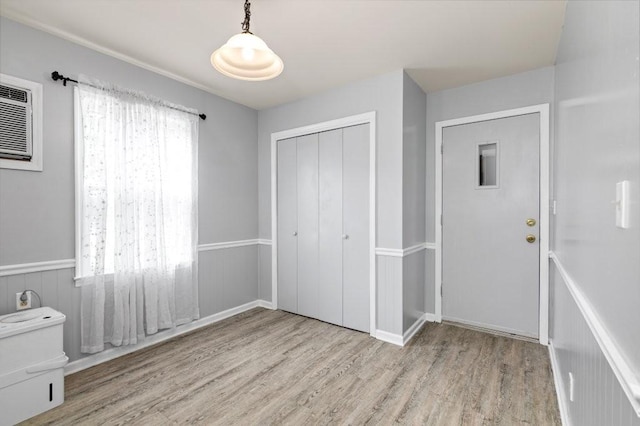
247,17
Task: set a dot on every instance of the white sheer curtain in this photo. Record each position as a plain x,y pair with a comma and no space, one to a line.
138,214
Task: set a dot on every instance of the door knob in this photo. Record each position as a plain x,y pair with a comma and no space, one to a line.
531,222
345,237
531,238
295,233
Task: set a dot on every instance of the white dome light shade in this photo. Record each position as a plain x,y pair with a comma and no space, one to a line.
246,57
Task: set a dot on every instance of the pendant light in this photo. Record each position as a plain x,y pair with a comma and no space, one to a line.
245,56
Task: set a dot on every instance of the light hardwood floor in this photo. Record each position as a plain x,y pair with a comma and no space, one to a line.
272,367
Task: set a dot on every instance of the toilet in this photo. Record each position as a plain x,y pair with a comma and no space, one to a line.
31,363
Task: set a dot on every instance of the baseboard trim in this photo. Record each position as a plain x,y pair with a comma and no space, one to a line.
559,384
624,373
385,336
113,353
429,317
265,304
415,327
402,340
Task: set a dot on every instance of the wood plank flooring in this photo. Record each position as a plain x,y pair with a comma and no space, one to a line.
272,367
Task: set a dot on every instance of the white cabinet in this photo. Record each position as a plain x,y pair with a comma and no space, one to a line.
323,226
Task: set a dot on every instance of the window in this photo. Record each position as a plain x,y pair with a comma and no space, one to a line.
135,172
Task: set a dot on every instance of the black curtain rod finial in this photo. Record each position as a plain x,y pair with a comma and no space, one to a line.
57,76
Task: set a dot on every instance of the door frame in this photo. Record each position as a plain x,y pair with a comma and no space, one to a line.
543,111
365,118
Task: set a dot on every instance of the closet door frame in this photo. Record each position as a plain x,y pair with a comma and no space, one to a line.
354,120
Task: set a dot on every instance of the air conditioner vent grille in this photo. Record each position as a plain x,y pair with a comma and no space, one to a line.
15,131
8,92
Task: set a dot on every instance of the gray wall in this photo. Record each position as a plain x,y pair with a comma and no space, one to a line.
597,93
37,208
515,91
414,114
382,94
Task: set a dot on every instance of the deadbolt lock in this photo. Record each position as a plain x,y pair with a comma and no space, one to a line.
531,222
531,238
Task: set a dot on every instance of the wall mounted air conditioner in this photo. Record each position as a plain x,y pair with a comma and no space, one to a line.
20,124
16,133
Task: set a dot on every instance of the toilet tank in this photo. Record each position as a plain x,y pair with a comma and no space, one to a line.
31,363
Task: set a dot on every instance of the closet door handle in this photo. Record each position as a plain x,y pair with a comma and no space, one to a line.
345,236
295,233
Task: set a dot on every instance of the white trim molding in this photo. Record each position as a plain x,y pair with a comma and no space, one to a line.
385,336
228,244
52,265
265,304
382,251
415,327
543,111
629,382
164,335
429,317
402,340
27,268
26,20
365,118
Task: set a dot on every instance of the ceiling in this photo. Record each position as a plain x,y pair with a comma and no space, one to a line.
323,43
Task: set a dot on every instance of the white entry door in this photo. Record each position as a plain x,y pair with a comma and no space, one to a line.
490,224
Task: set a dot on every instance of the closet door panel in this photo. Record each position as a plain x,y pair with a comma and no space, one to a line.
330,227
287,226
307,195
356,227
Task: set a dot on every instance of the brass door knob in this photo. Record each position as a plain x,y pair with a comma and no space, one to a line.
531,238
531,222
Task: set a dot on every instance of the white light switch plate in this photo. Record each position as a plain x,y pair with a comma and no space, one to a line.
622,204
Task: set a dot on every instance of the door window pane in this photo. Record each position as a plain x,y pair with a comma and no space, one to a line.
488,165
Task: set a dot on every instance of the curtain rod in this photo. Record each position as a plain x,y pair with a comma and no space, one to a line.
57,76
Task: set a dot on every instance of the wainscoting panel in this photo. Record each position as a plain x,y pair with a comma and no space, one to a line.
228,278
413,276
265,271
598,396
430,280
389,282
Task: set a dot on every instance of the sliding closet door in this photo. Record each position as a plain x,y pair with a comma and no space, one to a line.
287,225
330,232
308,272
355,195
